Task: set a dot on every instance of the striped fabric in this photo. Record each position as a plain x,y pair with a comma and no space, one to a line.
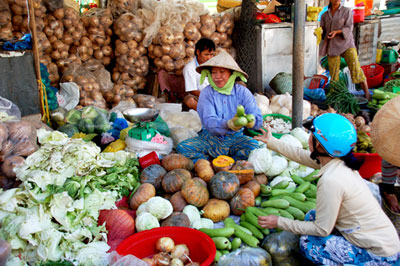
237,145
389,173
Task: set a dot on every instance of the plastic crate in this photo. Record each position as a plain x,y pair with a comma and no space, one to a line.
374,74
143,244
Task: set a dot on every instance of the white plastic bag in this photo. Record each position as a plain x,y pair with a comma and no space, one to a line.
190,120
68,96
115,259
8,110
179,134
145,147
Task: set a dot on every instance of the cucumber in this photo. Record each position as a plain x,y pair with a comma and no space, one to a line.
246,238
312,200
296,195
277,191
265,189
257,201
311,176
224,252
304,206
257,211
303,187
257,233
252,219
218,255
297,213
278,203
310,194
297,179
219,232
285,214
271,211
236,242
281,185
221,242
243,217
229,222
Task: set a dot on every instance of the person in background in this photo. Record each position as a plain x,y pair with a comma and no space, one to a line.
217,108
390,174
338,41
204,50
366,236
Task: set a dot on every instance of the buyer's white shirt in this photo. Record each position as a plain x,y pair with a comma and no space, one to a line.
192,78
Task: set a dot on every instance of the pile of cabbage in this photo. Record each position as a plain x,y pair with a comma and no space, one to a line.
277,166
53,215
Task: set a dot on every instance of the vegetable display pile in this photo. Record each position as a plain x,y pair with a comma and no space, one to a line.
341,99
380,97
278,125
53,215
364,143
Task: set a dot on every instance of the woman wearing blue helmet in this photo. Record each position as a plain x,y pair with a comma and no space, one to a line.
364,235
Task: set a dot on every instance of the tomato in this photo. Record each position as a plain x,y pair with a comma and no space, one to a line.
271,18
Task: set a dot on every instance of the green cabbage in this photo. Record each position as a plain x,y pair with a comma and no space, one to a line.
146,221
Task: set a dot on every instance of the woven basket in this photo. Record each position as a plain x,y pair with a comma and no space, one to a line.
394,217
282,83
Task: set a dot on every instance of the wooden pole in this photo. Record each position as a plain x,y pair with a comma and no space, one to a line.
35,51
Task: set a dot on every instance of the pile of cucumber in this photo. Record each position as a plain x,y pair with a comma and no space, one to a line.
380,97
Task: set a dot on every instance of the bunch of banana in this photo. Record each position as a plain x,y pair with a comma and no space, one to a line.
364,143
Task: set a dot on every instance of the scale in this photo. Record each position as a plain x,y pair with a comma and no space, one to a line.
141,117
389,55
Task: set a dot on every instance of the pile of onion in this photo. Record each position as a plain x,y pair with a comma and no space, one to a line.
20,16
132,63
98,24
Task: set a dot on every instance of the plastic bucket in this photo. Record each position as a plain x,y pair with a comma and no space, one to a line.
149,159
143,244
358,14
371,165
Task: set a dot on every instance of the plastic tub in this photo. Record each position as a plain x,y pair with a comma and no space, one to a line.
374,75
371,165
358,14
143,244
276,135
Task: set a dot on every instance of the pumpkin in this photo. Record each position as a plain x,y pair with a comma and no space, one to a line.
119,223
201,181
175,161
174,179
222,163
244,170
243,198
216,210
224,185
178,201
261,179
204,169
153,174
143,194
177,219
195,193
254,187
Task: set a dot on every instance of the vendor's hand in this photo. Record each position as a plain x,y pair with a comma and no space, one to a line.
251,124
270,221
231,124
333,33
266,135
392,202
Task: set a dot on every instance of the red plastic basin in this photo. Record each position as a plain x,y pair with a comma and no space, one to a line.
143,244
372,164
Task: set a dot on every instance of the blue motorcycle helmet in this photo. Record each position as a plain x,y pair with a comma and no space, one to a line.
335,133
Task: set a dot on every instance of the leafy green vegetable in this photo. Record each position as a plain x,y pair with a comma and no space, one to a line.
89,112
69,129
56,263
86,125
73,116
53,215
341,99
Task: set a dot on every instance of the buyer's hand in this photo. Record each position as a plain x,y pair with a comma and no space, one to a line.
266,136
333,33
270,221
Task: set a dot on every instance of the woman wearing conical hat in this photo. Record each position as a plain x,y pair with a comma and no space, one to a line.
217,107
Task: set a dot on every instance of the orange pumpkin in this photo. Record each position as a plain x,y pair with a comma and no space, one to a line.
224,185
204,169
243,198
143,194
223,163
174,179
261,179
216,210
201,181
175,161
153,174
195,193
254,187
244,170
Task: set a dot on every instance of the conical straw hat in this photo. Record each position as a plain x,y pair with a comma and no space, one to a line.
385,131
223,59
